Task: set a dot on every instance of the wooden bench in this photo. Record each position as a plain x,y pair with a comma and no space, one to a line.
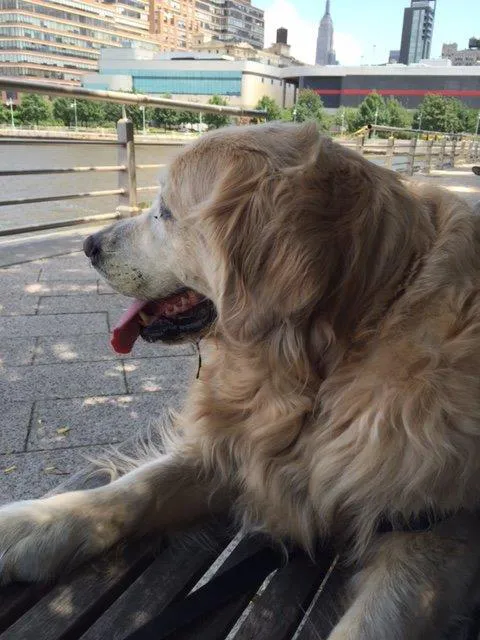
112,597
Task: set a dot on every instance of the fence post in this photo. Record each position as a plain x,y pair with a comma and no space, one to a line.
127,205
389,154
411,159
441,156
461,155
453,151
360,144
428,159
469,157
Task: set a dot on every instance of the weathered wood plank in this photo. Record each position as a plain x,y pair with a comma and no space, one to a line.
170,576
71,605
327,604
276,612
217,625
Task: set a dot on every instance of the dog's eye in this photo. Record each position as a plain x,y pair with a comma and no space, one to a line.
164,213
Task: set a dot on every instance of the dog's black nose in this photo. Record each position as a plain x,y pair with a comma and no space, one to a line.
92,246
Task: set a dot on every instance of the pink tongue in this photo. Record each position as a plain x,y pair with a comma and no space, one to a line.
127,328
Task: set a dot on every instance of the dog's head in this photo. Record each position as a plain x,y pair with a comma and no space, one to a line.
265,229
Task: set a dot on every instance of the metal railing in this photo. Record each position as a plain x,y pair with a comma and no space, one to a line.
407,156
437,151
124,98
126,168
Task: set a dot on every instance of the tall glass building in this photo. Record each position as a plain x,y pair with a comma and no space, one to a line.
417,31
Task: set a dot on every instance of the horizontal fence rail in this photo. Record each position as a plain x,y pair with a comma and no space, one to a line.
40,172
121,97
405,155
69,196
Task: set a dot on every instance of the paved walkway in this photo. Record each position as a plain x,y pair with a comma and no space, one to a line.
65,393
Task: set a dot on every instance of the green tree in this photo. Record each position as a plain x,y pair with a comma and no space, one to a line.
90,113
34,109
470,120
274,112
112,112
62,110
309,106
4,114
346,118
437,113
397,115
166,118
372,109
217,120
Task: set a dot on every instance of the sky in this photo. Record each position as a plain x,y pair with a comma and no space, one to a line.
365,30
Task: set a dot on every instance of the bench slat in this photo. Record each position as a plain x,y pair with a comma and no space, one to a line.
170,576
216,625
71,605
326,606
277,610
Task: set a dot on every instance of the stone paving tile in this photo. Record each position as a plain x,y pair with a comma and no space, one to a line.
82,304
61,288
18,305
28,272
97,420
160,374
62,380
96,347
17,351
32,474
104,287
53,325
68,268
14,421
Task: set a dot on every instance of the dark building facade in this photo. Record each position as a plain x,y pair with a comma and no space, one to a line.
417,31
349,87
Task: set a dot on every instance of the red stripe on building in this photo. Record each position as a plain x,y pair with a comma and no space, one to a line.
399,92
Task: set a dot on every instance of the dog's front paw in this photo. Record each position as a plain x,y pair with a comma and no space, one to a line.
41,538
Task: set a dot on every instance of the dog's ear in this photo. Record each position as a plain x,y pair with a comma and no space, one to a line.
315,240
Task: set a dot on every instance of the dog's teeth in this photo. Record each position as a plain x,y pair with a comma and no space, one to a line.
146,319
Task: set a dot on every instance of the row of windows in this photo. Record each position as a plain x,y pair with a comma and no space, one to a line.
21,45
176,74
45,60
104,36
31,72
45,36
75,6
188,86
65,15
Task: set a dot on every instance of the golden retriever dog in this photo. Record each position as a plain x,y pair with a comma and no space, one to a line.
341,389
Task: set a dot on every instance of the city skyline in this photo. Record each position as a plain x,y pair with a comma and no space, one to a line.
366,36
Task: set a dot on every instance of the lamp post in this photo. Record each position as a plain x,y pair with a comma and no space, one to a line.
10,104
73,106
478,124
342,126
420,121
142,107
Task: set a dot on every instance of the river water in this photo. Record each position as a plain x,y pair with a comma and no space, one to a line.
48,155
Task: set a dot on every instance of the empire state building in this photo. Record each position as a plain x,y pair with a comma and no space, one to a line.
325,52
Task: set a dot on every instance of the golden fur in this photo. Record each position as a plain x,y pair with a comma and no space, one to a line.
341,385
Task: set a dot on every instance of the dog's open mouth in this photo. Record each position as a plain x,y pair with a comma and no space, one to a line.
185,314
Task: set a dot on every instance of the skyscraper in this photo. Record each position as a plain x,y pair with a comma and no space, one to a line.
417,31
325,52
